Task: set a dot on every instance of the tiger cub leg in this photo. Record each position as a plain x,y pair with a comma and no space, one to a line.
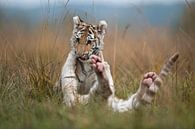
105,86
68,81
137,99
69,91
148,87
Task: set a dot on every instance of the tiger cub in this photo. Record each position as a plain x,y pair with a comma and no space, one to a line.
85,75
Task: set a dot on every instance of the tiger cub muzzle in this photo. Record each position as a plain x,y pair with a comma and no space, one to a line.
83,51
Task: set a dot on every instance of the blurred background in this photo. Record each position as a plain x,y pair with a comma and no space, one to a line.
141,36
133,14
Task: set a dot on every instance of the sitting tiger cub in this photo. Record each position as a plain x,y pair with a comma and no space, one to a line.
85,75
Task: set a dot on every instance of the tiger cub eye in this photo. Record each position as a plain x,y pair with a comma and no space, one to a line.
89,46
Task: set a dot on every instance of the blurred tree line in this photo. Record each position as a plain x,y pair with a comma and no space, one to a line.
188,21
1,17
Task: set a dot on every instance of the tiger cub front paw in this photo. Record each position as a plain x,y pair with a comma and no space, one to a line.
97,63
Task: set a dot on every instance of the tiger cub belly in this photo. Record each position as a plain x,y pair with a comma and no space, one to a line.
86,77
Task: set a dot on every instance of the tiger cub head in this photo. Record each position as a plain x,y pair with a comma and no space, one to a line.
87,39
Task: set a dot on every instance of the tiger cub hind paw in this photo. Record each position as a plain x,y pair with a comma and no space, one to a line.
148,79
148,87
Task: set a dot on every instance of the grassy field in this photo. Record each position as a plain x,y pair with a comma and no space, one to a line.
31,61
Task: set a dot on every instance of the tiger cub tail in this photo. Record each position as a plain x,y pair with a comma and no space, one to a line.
168,66
166,69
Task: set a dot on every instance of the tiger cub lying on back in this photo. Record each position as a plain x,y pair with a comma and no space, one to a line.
85,75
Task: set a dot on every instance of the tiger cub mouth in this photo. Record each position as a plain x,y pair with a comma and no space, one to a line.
83,51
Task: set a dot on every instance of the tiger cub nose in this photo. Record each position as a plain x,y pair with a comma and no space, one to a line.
83,49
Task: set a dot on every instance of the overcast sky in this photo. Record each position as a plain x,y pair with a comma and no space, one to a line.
33,3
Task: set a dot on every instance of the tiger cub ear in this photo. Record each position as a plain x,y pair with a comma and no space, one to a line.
76,20
102,27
